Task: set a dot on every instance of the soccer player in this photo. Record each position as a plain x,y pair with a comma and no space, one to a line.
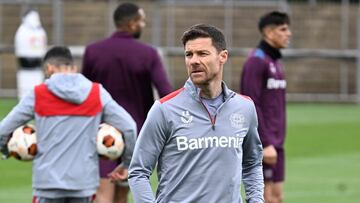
68,109
263,80
127,68
203,137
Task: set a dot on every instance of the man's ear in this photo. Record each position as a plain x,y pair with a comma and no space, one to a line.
75,68
131,25
268,32
49,69
223,56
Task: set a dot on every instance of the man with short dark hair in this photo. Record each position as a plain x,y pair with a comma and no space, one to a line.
127,68
264,81
67,109
203,137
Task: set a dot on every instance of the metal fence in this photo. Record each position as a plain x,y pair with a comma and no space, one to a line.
322,63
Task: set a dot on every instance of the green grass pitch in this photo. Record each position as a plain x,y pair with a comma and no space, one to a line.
322,160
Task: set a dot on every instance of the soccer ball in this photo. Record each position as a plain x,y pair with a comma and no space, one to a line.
22,144
109,142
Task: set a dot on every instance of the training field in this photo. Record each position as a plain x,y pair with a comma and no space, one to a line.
323,157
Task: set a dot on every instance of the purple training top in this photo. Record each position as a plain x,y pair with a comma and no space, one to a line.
127,68
264,81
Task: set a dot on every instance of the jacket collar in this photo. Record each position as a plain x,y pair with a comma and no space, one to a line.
269,50
194,91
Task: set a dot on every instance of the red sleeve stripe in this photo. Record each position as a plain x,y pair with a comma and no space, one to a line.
246,97
171,95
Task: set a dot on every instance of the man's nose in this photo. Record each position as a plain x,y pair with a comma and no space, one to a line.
195,59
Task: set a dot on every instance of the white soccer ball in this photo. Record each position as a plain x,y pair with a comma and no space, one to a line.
109,142
22,144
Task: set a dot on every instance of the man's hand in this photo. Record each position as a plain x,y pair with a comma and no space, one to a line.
118,174
270,155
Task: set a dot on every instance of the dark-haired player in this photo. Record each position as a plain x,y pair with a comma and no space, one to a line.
67,109
263,80
127,68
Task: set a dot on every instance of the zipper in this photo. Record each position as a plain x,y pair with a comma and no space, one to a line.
212,120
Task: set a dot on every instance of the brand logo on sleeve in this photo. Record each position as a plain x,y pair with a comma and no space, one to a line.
272,68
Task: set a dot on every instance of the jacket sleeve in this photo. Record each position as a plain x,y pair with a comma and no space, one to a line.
118,117
148,148
159,77
252,163
253,80
22,113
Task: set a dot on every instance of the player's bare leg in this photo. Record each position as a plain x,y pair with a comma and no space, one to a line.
268,192
273,192
277,192
121,194
106,191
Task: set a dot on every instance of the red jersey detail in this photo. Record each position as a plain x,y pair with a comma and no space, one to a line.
48,104
34,200
246,97
171,95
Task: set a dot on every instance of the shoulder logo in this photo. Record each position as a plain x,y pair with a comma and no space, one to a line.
272,68
237,120
186,117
